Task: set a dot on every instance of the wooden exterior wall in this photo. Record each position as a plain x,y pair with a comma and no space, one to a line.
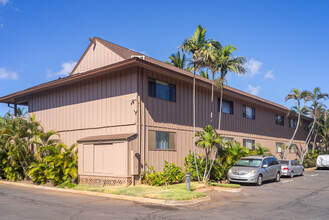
99,106
163,115
96,56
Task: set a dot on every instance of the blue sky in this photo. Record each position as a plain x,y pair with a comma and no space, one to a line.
285,42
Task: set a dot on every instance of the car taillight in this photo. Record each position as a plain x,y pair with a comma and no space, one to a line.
286,168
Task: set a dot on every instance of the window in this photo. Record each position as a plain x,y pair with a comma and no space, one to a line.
162,90
161,140
248,112
271,161
279,147
265,162
227,140
292,148
279,120
249,144
292,123
227,106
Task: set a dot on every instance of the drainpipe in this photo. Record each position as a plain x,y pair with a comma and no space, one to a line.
15,109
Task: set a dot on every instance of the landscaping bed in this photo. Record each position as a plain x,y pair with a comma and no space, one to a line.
177,192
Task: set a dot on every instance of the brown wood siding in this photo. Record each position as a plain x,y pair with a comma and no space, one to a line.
99,106
176,117
96,56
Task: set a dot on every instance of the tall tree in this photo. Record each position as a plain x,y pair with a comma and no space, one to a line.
297,109
195,45
178,60
315,97
226,62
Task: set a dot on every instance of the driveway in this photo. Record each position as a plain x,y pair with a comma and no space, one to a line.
298,198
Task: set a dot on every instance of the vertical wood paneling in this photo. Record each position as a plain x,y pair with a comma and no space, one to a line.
97,57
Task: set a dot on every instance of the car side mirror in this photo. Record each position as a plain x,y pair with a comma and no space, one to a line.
264,166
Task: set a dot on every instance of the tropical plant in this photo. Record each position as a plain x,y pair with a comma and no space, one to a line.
171,174
298,110
178,60
315,97
208,140
195,45
222,59
259,150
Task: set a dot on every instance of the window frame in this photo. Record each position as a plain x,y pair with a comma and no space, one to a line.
231,103
279,144
295,124
292,146
244,112
171,134
253,146
152,91
278,120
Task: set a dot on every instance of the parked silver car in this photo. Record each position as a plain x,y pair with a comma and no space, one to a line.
291,168
255,169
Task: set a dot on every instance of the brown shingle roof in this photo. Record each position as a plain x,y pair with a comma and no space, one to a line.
126,55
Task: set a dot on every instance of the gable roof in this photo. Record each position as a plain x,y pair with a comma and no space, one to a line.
128,61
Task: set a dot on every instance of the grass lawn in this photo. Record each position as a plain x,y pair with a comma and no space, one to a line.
176,192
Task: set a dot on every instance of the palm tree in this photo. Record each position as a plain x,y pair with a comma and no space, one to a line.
225,61
178,60
208,140
195,46
315,97
261,150
298,97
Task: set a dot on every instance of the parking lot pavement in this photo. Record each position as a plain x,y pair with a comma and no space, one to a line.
298,198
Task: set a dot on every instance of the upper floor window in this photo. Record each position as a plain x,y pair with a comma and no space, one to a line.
292,123
279,120
227,106
248,112
161,90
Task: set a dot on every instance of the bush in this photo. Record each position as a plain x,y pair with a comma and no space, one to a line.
171,174
189,164
59,166
28,152
310,159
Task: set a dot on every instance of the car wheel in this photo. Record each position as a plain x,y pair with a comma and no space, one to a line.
292,174
259,180
277,178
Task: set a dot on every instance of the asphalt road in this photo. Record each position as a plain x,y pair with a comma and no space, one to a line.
298,198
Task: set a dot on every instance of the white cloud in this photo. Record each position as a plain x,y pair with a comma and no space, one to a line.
6,74
269,75
253,90
67,67
253,66
4,2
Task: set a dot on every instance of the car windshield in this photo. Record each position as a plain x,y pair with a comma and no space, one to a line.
249,163
285,162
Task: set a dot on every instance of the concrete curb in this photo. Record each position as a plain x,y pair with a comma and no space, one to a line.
113,196
233,190
309,169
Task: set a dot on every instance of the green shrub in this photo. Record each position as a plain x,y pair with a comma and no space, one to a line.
171,174
59,166
310,159
189,164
